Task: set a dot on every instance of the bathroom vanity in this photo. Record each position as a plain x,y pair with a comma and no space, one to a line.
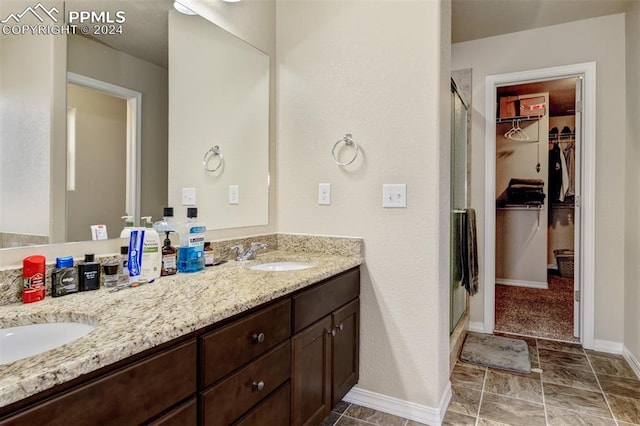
274,348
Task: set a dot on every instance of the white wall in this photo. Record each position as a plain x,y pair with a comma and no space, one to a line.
632,193
374,69
601,40
521,235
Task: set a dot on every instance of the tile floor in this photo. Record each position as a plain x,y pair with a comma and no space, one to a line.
576,387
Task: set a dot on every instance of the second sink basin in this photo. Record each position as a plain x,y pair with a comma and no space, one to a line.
28,340
281,266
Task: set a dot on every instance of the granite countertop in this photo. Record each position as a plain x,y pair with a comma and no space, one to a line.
133,320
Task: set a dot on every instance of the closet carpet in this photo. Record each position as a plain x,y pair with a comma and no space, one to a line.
544,313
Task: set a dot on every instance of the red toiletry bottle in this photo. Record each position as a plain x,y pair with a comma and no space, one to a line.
33,274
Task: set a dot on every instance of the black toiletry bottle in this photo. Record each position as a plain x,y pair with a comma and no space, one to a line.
64,279
89,273
169,257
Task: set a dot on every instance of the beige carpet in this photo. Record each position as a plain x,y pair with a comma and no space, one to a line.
545,313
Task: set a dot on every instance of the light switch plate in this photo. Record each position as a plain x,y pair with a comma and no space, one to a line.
234,194
324,194
394,195
188,196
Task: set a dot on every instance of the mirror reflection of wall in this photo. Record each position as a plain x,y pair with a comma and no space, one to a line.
219,92
33,115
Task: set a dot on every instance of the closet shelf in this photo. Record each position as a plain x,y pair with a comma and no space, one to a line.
520,117
520,207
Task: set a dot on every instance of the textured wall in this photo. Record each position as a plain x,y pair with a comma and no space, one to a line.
632,194
374,69
601,40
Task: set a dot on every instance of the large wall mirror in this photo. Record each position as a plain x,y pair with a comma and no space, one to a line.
78,148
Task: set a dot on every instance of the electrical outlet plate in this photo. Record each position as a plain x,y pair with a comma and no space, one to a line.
188,196
394,195
324,194
234,194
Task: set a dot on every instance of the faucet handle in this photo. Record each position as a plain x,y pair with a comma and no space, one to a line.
239,249
260,246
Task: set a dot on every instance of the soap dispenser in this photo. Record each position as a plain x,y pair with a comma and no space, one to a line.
151,251
128,226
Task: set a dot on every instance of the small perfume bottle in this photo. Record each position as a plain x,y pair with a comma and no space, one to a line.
64,278
89,273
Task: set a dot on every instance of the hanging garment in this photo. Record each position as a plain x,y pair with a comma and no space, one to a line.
570,158
555,173
565,177
470,253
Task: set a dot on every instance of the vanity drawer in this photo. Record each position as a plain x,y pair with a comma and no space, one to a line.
275,410
313,304
232,346
234,396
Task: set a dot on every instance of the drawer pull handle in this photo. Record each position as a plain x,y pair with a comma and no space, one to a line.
258,386
258,337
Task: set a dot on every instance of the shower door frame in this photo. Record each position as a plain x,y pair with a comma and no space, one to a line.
588,181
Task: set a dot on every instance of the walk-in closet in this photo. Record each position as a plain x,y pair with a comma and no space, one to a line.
537,182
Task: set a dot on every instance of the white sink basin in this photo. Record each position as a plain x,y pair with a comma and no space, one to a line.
28,340
281,266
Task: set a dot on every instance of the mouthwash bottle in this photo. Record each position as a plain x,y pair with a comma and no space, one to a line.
191,253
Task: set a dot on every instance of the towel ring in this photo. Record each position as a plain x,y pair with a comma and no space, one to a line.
213,152
348,141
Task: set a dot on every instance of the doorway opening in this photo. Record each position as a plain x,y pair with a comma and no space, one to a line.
537,155
538,226
103,152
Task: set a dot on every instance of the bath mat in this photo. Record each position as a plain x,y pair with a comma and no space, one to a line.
496,352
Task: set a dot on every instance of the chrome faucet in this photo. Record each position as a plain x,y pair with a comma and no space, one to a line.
248,254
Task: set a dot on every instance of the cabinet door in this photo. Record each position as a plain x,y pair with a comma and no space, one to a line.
345,364
311,374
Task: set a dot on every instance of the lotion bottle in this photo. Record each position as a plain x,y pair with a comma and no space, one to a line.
151,251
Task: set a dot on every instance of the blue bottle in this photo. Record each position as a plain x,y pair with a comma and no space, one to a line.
191,253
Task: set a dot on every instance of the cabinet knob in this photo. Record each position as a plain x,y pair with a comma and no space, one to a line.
332,332
341,327
258,337
258,386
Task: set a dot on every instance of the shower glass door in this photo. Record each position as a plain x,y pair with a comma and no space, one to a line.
458,297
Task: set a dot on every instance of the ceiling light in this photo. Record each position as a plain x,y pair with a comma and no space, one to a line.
183,9
231,1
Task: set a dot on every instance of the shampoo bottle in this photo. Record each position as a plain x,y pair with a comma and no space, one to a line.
191,253
151,252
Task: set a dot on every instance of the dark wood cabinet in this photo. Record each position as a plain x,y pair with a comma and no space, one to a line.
247,370
311,374
346,346
131,395
325,353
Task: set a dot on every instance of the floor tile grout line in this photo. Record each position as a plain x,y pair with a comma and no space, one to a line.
544,401
484,381
342,414
604,395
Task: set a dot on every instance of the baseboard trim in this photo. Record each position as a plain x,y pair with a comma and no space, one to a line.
632,360
522,283
398,407
476,326
608,346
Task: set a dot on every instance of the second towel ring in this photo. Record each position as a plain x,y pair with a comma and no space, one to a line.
348,141
213,152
